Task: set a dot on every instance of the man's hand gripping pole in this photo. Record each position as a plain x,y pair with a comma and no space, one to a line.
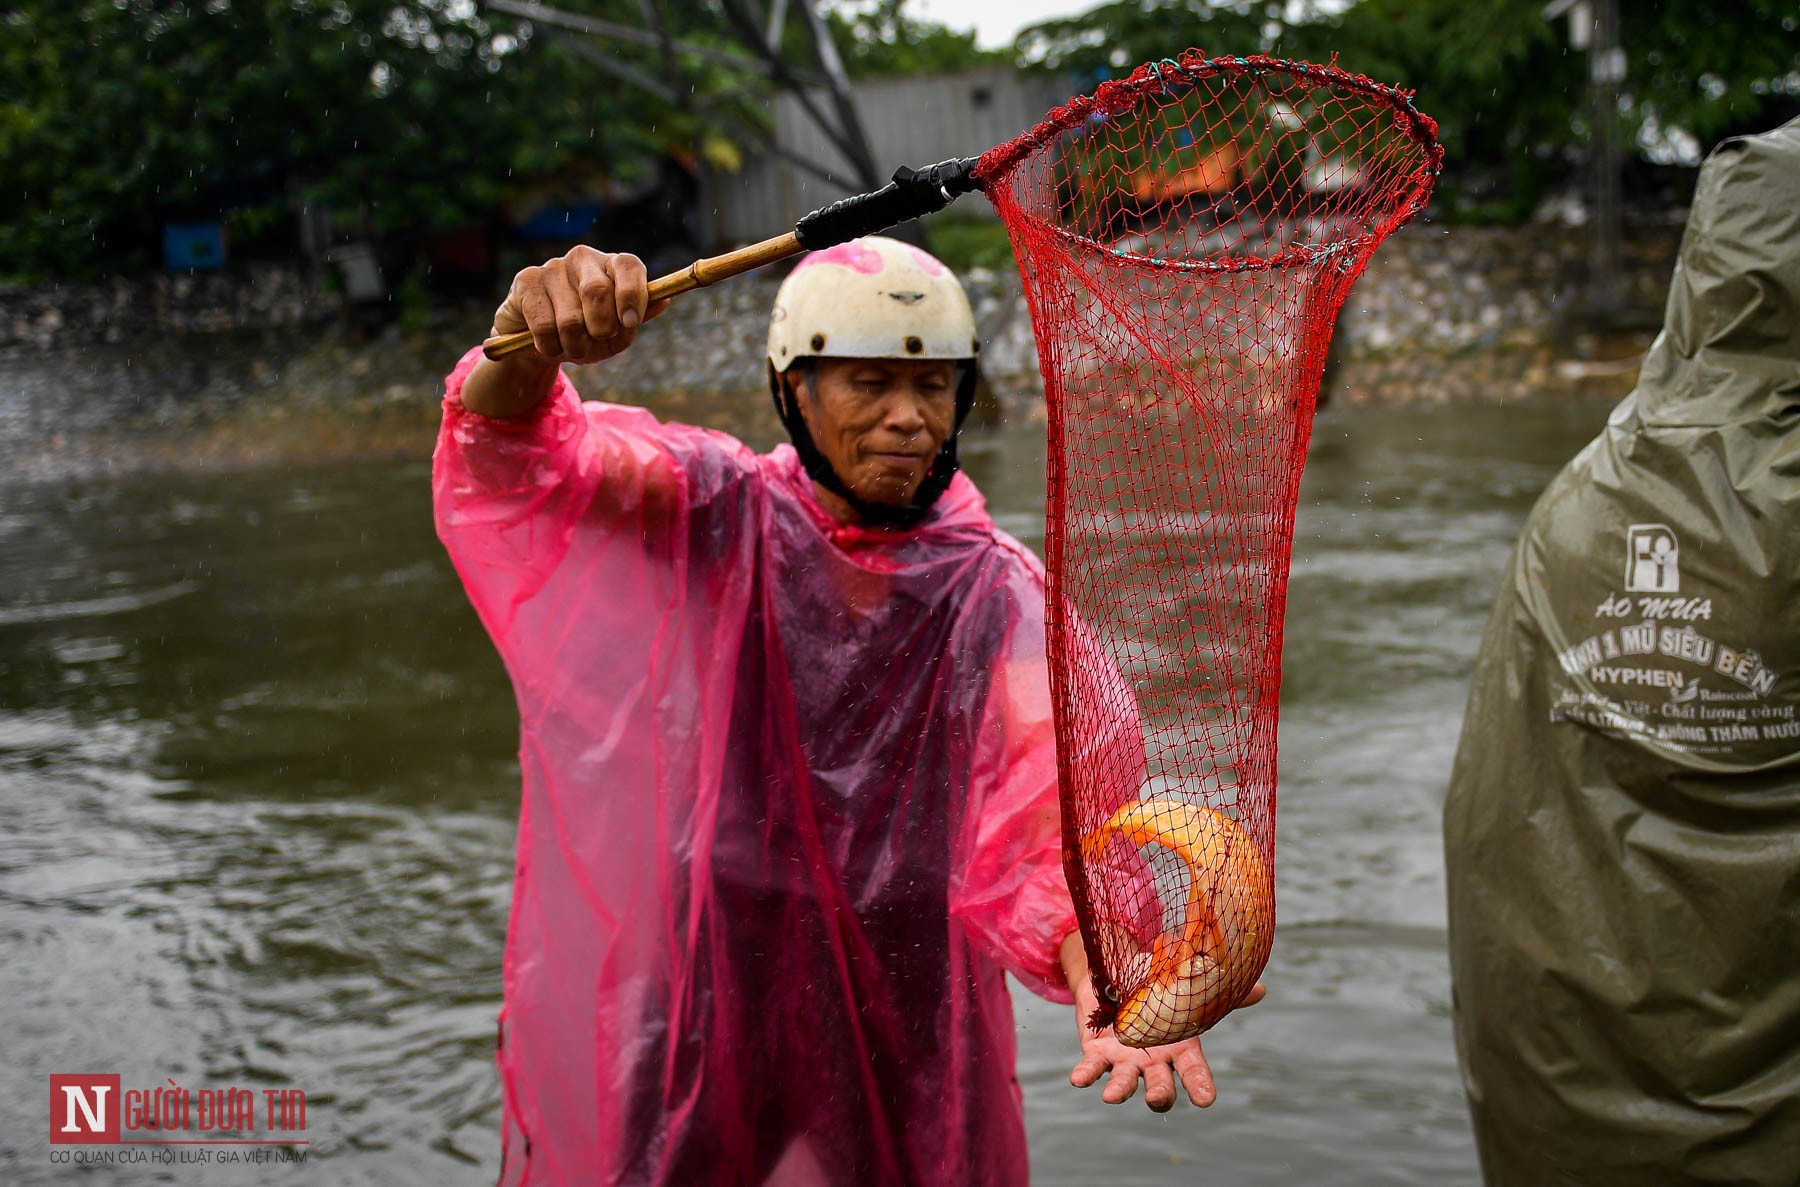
911,194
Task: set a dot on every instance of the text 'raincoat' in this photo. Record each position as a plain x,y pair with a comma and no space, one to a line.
789,809
1623,826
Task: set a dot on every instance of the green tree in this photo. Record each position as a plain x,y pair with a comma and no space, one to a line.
1504,87
119,115
1712,69
879,38
1512,96
1114,38
1509,93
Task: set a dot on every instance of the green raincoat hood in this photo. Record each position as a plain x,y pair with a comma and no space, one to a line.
1730,346
1622,831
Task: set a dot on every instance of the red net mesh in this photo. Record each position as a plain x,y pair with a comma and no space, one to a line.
1186,237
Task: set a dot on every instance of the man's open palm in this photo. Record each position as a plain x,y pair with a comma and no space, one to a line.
1159,1067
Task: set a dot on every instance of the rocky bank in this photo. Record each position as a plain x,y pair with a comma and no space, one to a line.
1442,314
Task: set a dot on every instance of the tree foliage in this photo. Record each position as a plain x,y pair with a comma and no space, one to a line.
880,38
1712,69
1114,37
1506,90
1510,94
119,115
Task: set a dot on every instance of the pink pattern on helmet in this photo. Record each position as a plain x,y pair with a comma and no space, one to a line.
931,264
854,254
858,254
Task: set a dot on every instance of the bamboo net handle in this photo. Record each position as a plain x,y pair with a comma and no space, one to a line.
696,275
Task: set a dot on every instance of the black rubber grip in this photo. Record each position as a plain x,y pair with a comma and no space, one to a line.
912,194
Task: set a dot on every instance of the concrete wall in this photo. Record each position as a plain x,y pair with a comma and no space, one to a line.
909,121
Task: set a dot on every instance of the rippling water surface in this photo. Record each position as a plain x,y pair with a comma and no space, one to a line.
258,787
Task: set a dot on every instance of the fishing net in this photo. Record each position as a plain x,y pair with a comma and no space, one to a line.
1186,237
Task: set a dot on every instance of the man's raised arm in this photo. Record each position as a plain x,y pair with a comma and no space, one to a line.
580,308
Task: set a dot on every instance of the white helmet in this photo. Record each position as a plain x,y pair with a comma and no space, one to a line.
871,298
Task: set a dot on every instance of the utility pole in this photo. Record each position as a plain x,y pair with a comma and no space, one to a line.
1594,26
1607,72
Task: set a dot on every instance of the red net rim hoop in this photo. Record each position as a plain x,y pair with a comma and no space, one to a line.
1170,76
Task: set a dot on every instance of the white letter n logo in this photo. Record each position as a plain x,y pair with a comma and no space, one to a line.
84,1109
94,1114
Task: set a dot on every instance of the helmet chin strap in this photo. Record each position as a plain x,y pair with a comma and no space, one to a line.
821,471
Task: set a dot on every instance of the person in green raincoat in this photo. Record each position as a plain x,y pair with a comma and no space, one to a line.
1622,831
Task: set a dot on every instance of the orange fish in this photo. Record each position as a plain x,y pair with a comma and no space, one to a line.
1200,973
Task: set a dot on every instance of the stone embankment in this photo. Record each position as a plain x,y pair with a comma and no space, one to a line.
1474,312
257,297
1441,314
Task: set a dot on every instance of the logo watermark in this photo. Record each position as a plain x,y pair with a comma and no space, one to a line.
94,1118
1652,559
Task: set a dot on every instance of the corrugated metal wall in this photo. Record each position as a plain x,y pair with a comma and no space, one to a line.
909,121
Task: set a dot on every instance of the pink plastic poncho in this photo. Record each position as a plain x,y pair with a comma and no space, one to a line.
789,810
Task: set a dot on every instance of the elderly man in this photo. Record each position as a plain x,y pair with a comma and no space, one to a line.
789,775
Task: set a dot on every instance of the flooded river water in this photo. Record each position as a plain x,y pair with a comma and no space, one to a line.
258,790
